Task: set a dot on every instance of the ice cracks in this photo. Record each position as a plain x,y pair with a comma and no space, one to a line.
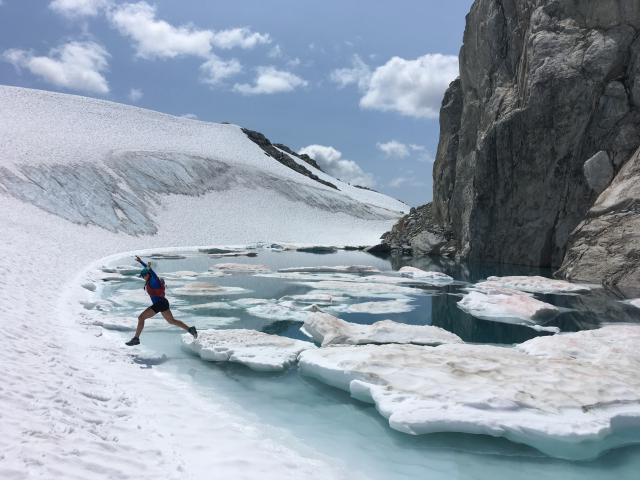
570,396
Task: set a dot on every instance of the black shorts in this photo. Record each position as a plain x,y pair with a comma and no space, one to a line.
161,305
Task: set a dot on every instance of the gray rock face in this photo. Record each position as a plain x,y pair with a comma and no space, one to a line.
606,245
418,233
598,171
544,86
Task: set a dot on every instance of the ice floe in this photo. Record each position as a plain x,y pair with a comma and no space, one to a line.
208,306
279,310
240,268
329,330
571,396
507,305
258,351
201,289
535,284
166,256
332,269
436,278
376,308
315,297
363,289
180,275
123,269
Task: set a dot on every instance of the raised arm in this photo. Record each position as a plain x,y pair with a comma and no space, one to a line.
139,260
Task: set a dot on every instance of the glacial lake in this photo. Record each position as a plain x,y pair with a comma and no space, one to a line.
309,413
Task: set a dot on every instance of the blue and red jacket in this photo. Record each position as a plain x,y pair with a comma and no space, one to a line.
154,286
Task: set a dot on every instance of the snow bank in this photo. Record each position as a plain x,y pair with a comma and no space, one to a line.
82,179
329,330
571,396
258,351
535,284
506,305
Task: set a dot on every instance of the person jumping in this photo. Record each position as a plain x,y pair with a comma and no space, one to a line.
155,288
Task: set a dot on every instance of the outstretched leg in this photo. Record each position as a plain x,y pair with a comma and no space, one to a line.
168,316
148,313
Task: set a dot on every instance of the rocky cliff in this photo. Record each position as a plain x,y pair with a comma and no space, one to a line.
545,114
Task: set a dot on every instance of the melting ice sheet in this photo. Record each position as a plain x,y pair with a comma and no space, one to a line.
328,419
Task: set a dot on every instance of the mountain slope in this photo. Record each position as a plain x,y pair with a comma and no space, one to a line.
96,162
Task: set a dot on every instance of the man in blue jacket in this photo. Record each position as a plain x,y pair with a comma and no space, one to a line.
154,286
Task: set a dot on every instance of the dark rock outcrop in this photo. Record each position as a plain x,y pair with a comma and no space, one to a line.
606,245
545,113
304,157
418,233
271,150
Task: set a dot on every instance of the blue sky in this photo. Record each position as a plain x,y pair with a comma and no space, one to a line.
354,83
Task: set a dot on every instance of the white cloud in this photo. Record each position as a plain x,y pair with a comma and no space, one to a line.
78,8
410,87
394,149
332,162
359,74
275,52
74,65
156,38
135,94
271,80
190,116
215,70
241,37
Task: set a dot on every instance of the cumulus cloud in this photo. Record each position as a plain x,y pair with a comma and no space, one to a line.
156,38
358,74
78,8
271,80
410,87
135,94
332,162
74,65
241,37
215,70
394,149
